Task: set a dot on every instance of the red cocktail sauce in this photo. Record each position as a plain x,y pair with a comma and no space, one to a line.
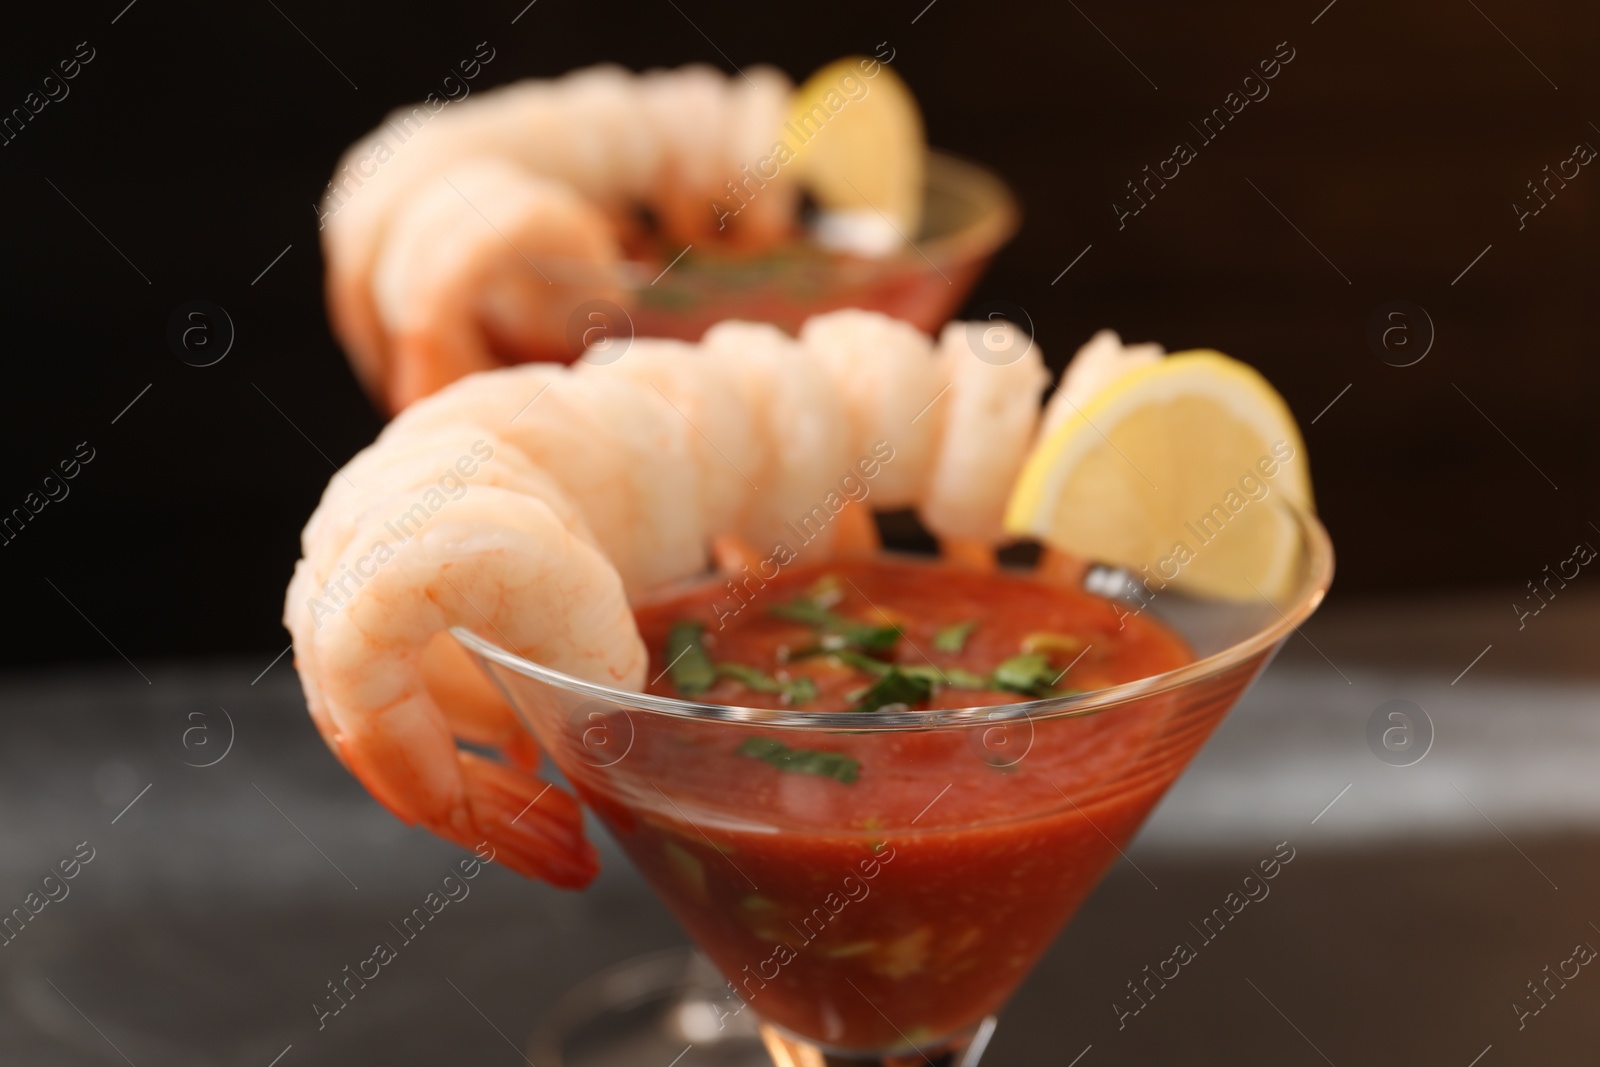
898,886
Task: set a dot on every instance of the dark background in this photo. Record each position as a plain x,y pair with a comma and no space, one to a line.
200,135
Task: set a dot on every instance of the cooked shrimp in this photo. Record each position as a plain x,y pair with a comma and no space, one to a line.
1102,360
434,466
592,483
460,276
726,446
617,451
420,287
503,563
769,200
714,131
989,425
793,402
890,384
371,184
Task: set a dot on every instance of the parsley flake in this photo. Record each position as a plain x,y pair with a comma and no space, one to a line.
954,638
835,765
687,661
895,686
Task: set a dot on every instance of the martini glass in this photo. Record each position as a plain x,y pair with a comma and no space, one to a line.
968,213
596,311
884,908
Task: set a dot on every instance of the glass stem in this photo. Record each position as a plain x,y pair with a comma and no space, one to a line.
961,1050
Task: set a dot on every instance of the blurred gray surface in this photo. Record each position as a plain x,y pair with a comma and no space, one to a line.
1417,907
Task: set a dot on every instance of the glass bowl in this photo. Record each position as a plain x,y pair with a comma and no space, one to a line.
882,916
968,214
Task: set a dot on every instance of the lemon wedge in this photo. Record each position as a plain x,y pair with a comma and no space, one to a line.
858,143
1170,470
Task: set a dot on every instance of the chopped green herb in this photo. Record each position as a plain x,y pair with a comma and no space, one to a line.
835,765
951,677
851,658
800,690
805,611
761,683
687,660
795,691
868,637
829,644
956,678
843,632
1028,673
954,638
895,686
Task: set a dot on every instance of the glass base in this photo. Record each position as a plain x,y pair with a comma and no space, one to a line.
649,1010
962,1050
654,1009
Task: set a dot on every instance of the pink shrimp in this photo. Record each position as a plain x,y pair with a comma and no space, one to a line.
453,232
527,504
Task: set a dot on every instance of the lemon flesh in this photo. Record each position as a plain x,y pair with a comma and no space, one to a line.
859,144
1171,471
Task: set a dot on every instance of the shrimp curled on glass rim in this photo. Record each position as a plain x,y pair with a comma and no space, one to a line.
453,234
533,504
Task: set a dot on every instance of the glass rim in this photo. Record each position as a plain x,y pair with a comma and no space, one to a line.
996,216
1317,550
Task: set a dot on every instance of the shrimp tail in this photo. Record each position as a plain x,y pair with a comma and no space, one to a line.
535,828
521,751
394,693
